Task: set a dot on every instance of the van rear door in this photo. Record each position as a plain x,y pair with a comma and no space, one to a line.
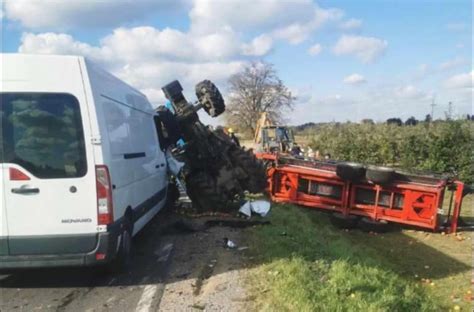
49,184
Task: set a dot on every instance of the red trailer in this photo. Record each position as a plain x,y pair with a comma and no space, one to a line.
410,199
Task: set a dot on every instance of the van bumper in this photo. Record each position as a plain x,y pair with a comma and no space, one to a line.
106,247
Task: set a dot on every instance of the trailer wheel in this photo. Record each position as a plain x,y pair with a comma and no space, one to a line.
369,225
343,222
255,179
204,194
380,175
350,171
210,98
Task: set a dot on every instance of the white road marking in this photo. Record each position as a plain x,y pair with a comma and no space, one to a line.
149,292
144,304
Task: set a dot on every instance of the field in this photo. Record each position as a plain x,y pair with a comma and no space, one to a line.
303,263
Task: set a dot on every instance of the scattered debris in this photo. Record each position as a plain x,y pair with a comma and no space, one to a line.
198,306
246,209
242,248
229,244
260,207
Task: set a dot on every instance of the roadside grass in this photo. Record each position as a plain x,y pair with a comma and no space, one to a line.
303,263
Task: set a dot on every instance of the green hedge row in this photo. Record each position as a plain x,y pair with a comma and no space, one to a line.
442,147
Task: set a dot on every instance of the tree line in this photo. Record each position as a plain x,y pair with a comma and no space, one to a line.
440,147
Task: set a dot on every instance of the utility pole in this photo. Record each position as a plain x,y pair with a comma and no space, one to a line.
432,108
449,114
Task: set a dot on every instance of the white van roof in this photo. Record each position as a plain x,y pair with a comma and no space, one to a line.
59,73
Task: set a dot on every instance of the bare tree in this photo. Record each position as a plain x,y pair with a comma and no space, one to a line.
257,89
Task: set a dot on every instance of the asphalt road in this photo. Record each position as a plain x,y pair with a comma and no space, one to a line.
140,289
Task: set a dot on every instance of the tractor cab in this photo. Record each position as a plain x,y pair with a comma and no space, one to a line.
276,139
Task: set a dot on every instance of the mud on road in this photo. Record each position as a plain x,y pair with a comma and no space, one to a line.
176,267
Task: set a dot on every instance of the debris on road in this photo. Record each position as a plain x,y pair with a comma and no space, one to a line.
229,244
246,209
260,207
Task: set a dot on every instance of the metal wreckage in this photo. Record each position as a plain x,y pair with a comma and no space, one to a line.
216,171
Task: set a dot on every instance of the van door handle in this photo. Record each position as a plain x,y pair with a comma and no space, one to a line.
24,190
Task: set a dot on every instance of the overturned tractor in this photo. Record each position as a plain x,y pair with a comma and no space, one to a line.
217,172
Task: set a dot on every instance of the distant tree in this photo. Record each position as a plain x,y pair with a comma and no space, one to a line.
428,118
394,121
254,90
412,121
367,121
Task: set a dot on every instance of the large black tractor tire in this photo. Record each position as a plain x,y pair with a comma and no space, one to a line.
350,171
210,98
343,222
204,193
380,175
369,225
255,178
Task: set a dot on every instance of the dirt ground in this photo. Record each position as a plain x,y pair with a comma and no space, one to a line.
204,274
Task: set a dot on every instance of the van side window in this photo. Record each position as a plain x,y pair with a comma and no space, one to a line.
42,132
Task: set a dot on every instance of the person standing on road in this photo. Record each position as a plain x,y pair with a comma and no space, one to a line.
233,137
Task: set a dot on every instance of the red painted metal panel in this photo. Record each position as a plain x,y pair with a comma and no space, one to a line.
402,202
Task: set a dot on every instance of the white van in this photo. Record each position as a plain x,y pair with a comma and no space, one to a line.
81,168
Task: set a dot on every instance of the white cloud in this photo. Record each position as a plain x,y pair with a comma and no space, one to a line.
315,49
351,24
52,43
409,92
148,58
61,14
299,31
259,46
366,49
460,81
450,64
457,26
286,17
354,79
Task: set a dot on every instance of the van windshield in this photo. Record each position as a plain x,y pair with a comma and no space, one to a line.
42,132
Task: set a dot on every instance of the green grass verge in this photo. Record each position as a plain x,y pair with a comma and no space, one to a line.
303,263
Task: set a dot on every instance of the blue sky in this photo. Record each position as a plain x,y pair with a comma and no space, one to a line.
370,59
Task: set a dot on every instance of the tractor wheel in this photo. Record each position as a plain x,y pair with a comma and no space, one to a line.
210,98
204,193
255,178
369,225
350,171
380,175
343,222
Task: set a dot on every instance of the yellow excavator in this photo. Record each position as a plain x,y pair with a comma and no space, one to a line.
271,139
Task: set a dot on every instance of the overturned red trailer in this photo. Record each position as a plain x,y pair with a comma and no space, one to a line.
410,199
